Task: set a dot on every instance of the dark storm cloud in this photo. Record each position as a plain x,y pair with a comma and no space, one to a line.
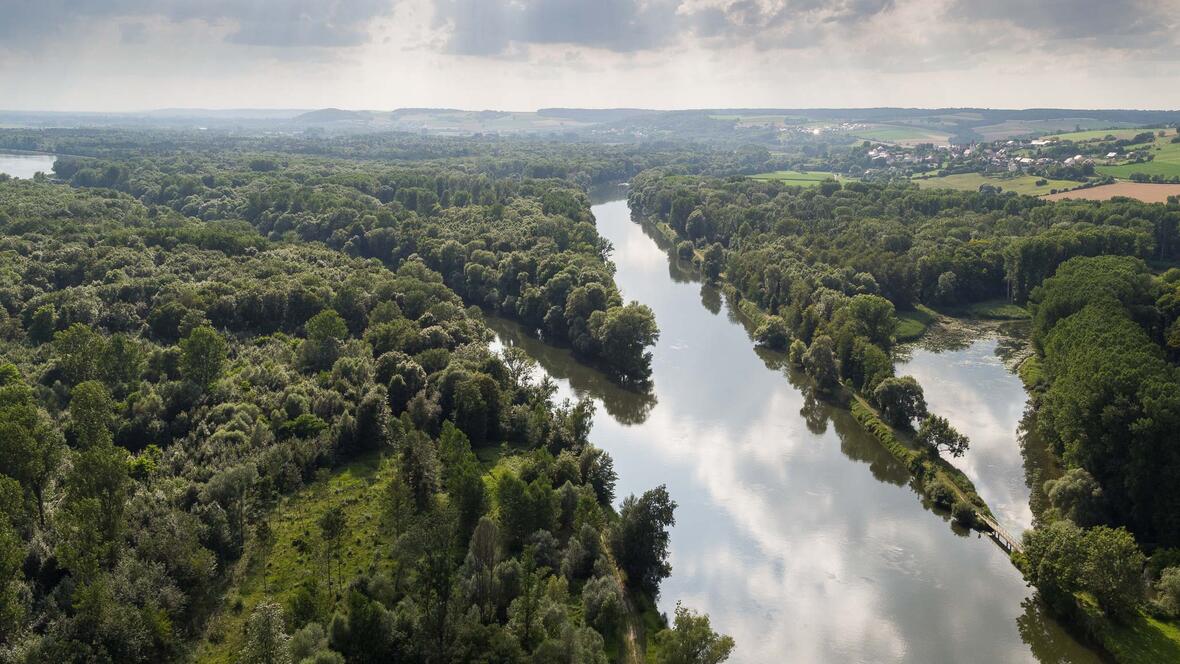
275,23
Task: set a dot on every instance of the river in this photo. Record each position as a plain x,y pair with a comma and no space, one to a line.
797,533
26,164
968,380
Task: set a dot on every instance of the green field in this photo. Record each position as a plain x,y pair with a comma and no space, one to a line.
994,310
902,135
1093,134
1143,640
803,178
1012,128
1165,163
912,324
1021,184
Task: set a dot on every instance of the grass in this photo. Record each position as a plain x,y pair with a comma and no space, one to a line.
1032,373
1001,309
902,134
1096,134
802,178
276,572
1145,640
913,324
1021,184
1166,162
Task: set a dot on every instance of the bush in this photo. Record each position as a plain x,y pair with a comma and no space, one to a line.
963,513
940,494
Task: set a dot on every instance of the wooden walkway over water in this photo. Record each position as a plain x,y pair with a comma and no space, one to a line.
1000,536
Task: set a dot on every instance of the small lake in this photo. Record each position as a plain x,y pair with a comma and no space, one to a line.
796,531
24,165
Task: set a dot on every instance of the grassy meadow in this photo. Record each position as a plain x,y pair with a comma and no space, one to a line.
1166,161
1021,184
802,178
902,135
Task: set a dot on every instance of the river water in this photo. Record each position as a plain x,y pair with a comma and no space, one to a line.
968,381
25,165
796,532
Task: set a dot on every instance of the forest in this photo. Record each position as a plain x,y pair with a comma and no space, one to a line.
193,345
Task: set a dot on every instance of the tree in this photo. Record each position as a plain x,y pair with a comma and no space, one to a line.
43,324
796,353
1167,591
714,261
1077,496
1113,570
92,414
420,469
12,554
640,538
623,334
90,520
78,350
1062,559
462,478
122,364
598,470
203,356
869,316
820,362
691,640
773,333
31,449
266,636
901,401
603,603
231,489
331,524
938,433
524,508
325,331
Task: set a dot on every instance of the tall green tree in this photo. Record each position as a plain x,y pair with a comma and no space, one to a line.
640,538
691,640
203,356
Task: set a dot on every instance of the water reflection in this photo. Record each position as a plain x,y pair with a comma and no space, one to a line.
797,553
628,406
967,381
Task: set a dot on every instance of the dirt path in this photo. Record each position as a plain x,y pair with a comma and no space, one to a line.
634,639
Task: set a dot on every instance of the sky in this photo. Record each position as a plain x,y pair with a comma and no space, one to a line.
135,55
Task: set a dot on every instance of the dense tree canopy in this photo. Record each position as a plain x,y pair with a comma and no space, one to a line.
178,361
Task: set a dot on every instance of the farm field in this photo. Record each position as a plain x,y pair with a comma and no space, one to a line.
1013,128
1022,184
903,135
1166,162
1092,134
1148,193
803,178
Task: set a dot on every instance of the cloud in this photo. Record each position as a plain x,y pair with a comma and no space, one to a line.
271,23
1071,19
490,27
494,27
